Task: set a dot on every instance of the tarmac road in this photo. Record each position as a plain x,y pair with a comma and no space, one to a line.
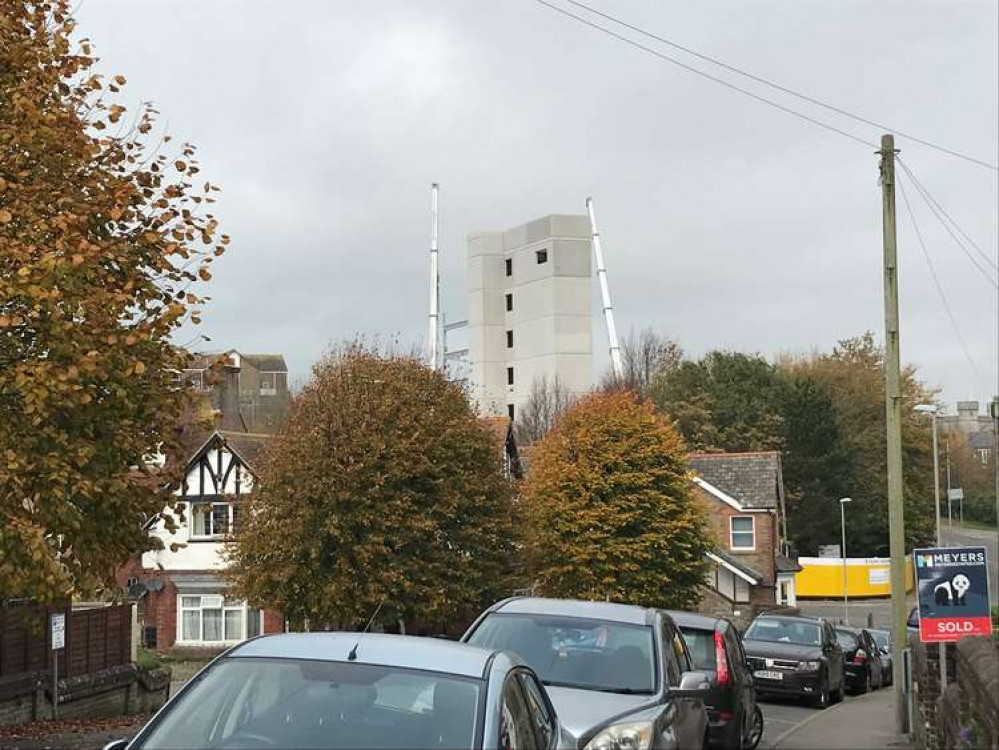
975,538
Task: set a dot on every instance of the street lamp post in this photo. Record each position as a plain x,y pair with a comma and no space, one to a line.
931,409
842,525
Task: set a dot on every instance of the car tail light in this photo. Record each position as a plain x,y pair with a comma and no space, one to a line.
725,717
860,656
721,670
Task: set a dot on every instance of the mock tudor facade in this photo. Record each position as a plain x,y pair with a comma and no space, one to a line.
183,600
742,496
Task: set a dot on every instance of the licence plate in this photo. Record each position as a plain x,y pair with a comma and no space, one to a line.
768,675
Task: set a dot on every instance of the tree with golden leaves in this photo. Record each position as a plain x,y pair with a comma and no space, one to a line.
103,237
383,488
608,509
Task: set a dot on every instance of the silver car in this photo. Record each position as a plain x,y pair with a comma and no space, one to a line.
619,676
347,690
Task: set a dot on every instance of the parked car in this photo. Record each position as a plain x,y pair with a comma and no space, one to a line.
795,656
346,690
882,639
862,660
619,676
715,647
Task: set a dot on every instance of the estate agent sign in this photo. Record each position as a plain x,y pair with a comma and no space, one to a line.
952,584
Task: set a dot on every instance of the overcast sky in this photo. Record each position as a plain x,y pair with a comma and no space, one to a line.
727,223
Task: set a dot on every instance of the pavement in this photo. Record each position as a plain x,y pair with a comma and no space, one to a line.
866,722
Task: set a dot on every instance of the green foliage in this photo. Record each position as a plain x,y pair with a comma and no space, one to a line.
148,659
826,415
383,486
101,242
608,511
726,401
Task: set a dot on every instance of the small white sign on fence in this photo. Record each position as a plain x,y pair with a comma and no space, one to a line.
58,631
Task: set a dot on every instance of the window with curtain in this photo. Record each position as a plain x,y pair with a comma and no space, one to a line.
217,619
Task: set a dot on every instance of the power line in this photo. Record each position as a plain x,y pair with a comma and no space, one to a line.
933,209
925,192
753,77
938,285
709,76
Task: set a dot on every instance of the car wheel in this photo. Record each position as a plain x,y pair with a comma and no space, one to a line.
865,685
755,731
822,700
837,695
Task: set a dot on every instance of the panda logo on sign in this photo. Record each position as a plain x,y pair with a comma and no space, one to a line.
952,592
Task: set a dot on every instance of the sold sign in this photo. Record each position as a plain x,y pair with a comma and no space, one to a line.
953,589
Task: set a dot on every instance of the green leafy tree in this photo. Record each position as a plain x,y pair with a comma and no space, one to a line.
608,513
102,241
382,488
726,401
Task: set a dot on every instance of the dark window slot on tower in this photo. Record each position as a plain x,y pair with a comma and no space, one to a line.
542,255
509,410
508,262
509,303
509,339
509,376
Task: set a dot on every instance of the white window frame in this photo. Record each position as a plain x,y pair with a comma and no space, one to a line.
211,535
239,606
732,532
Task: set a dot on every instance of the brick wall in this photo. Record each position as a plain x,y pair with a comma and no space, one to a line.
273,622
968,710
718,514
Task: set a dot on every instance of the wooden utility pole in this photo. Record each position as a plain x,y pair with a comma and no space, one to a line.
893,412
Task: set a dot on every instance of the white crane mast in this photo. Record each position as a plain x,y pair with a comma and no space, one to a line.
433,325
615,350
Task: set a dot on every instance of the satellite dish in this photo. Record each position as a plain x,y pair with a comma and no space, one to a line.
137,589
154,584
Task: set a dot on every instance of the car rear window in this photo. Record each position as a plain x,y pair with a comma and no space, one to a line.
701,644
847,641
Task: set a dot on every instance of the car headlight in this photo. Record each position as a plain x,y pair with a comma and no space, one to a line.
809,666
635,735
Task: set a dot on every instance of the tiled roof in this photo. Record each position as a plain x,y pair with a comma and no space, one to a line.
785,564
754,479
982,439
266,362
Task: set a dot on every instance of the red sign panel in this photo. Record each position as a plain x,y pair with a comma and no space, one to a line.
946,629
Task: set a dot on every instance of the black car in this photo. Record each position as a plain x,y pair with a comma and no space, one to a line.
795,656
716,648
862,660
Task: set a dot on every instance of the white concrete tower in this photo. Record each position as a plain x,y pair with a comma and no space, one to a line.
529,310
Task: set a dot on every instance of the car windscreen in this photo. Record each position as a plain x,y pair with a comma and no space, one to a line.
881,638
573,652
298,703
776,630
701,644
847,640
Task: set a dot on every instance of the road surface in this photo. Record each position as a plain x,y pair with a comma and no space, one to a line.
977,538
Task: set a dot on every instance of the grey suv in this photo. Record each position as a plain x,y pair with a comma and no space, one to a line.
619,676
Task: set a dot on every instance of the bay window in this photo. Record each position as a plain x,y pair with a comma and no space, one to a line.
214,618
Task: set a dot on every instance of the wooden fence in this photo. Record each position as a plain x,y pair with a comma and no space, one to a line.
95,639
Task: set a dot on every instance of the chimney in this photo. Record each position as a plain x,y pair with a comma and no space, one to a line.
228,395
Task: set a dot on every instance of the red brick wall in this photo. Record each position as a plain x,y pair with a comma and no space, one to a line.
273,621
718,514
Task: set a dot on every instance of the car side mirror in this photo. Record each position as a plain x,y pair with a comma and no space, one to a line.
116,745
692,685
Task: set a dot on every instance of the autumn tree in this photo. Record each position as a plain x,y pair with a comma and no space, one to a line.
608,512
103,236
382,488
852,377
548,400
